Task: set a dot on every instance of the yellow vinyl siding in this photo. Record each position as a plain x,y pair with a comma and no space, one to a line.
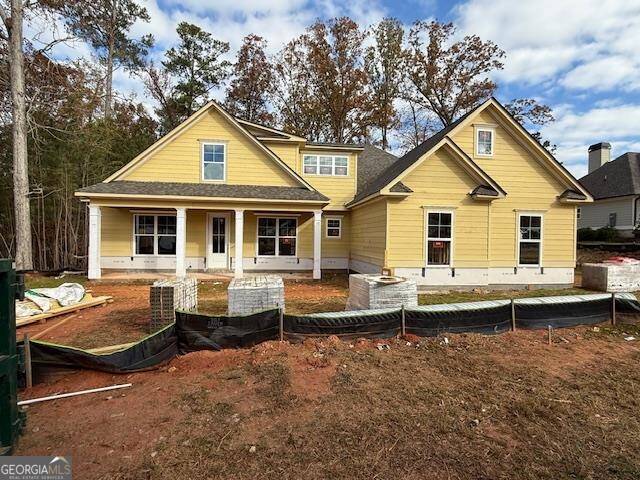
180,160
530,186
196,233
116,232
336,247
340,190
288,153
369,232
439,183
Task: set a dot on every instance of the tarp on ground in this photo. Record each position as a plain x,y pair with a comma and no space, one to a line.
487,317
149,352
380,323
209,332
562,311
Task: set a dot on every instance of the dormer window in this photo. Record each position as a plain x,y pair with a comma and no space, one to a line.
484,141
214,161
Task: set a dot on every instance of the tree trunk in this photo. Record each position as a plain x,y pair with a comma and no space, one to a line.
108,100
24,260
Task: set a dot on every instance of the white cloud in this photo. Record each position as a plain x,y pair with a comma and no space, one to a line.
545,38
574,131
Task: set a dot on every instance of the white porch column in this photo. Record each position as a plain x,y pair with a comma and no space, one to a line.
93,266
181,242
317,244
239,243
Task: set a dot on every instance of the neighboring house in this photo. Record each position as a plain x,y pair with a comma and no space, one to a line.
479,203
615,187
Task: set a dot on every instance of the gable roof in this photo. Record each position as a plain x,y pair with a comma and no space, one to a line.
406,162
190,121
396,168
616,178
213,190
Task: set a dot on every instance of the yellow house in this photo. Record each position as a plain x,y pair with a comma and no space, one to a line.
479,203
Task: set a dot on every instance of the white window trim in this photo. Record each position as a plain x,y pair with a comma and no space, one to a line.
155,235
333,165
519,240
426,237
224,164
277,236
326,228
476,143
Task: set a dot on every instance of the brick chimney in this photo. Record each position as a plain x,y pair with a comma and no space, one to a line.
599,154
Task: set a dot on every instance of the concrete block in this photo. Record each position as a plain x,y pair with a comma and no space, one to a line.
254,294
165,296
607,277
376,291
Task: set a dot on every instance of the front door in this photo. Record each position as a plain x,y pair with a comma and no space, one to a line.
218,245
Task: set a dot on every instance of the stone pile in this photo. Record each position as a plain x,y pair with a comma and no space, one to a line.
255,294
376,291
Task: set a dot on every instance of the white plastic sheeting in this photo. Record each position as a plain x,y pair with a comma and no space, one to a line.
39,299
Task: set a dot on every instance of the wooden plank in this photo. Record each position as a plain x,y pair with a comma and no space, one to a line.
111,348
27,361
52,327
62,310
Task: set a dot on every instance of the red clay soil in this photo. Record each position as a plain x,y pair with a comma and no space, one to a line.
124,320
159,424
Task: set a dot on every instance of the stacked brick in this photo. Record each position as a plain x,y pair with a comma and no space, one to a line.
375,291
167,296
255,294
609,277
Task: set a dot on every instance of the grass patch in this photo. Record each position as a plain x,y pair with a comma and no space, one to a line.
458,297
43,281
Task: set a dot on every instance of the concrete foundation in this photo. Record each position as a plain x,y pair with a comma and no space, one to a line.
376,291
611,277
254,294
165,296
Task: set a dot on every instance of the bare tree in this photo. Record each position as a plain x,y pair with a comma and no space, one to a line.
450,78
13,20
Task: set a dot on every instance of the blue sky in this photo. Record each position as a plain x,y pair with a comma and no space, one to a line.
578,56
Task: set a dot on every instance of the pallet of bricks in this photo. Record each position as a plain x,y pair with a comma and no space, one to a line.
167,296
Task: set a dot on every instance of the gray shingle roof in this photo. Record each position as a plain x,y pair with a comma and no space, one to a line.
372,161
396,168
615,178
126,187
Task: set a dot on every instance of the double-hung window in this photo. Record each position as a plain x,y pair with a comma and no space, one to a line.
154,234
529,239
277,237
484,141
328,165
334,228
439,229
214,157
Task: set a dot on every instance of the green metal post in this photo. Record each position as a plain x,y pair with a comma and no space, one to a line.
10,420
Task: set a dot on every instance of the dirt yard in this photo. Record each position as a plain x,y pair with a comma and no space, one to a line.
475,407
126,319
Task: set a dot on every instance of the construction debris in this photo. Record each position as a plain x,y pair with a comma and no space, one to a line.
87,301
255,294
73,394
167,296
42,300
376,291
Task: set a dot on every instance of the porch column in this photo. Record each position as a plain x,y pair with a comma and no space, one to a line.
93,264
181,242
239,242
317,244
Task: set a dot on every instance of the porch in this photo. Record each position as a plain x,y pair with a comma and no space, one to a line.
127,240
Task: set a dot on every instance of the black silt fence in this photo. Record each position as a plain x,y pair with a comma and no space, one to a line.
534,315
205,332
482,318
148,353
370,324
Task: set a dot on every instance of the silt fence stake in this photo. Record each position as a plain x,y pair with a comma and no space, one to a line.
281,324
403,324
613,308
513,316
